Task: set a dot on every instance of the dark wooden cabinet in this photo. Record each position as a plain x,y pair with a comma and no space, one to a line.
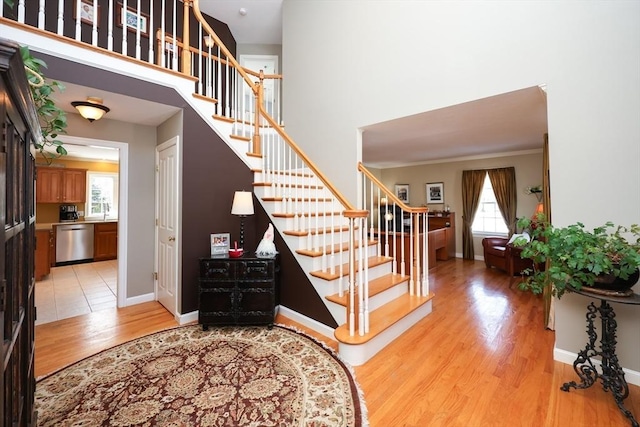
446,221
105,241
56,185
20,129
237,291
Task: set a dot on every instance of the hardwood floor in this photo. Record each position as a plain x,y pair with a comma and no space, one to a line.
481,358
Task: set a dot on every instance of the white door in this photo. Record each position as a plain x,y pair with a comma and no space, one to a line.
167,224
269,65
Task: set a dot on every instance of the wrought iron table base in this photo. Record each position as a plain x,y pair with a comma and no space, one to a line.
612,375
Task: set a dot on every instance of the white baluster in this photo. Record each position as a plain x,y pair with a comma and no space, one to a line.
152,34
365,290
352,287
40,14
411,270
94,24
21,11
60,30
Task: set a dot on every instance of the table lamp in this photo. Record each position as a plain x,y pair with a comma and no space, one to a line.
242,207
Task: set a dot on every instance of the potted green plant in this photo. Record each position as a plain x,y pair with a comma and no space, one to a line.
571,257
53,120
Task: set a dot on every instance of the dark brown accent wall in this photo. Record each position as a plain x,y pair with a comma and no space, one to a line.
212,172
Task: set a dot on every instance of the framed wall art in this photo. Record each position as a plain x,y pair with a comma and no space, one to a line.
88,14
435,192
129,17
402,192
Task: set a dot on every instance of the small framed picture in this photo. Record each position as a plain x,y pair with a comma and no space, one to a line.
402,192
88,14
435,192
133,20
172,45
220,244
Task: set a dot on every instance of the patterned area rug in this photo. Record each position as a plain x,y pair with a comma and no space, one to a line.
221,377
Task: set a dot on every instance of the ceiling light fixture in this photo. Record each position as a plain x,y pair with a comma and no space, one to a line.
91,109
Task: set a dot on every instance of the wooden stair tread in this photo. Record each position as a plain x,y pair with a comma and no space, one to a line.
240,138
343,270
307,186
305,214
222,118
338,247
376,286
382,318
298,199
205,98
302,174
314,231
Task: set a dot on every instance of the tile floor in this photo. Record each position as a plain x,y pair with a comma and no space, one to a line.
77,289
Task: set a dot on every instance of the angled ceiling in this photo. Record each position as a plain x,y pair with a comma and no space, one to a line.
506,123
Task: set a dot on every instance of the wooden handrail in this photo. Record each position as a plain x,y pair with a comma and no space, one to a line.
347,205
223,48
169,39
388,193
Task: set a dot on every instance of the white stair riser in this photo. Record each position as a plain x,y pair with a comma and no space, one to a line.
302,206
357,355
293,193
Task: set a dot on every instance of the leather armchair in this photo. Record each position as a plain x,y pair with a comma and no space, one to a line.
499,253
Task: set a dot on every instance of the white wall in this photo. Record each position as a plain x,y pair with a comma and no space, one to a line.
350,64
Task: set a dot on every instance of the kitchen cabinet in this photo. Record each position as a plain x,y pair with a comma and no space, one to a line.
237,291
105,241
44,246
57,185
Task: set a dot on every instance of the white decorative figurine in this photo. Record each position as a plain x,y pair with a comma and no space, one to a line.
266,248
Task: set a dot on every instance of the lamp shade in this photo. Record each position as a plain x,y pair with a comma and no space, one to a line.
242,203
91,109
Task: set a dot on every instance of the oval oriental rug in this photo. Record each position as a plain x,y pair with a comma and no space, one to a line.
228,376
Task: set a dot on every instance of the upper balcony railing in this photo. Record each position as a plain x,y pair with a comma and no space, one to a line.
165,33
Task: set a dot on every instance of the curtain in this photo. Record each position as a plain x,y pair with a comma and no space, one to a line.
472,182
503,181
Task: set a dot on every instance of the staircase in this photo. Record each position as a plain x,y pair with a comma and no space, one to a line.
374,287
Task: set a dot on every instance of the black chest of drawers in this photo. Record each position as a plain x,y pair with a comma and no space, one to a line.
237,291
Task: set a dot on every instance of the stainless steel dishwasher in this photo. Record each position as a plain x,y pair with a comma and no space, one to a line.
74,243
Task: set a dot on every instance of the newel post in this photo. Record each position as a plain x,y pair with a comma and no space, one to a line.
256,122
186,53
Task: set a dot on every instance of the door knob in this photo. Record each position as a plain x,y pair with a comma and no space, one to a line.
172,239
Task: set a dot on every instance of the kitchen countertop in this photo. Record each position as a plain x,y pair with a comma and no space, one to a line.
50,225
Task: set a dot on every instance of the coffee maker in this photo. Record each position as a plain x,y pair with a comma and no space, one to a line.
68,213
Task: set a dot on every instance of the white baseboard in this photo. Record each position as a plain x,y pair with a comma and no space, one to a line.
320,328
183,319
140,299
632,377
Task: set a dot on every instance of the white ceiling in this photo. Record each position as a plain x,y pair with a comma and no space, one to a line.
261,23
507,123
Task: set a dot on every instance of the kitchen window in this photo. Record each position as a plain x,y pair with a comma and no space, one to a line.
102,195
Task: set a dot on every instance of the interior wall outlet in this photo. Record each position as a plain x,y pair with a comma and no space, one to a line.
80,213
